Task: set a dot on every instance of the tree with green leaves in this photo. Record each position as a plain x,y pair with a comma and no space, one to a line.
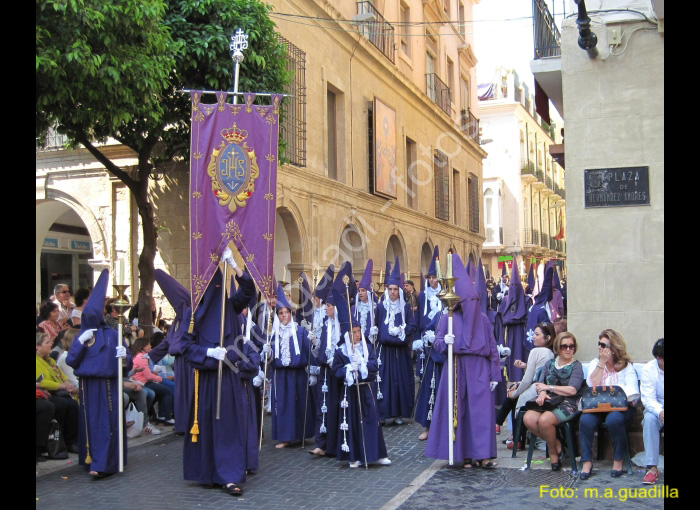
116,68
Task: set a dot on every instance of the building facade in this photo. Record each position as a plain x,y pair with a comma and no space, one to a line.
612,99
523,191
382,137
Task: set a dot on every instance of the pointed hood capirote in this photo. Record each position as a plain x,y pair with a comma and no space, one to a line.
306,303
475,333
432,270
481,287
367,276
515,309
177,295
282,301
93,311
324,285
395,278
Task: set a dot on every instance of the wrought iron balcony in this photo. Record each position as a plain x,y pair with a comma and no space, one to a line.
470,125
528,168
439,92
379,32
546,34
544,240
532,236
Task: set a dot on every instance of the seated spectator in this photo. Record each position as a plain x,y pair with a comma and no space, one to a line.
164,367
81,297
61,297
164,393
612,367
62,391
44,414
542,339
49,320
143,398
112,320
57,349
652,390
558,395
66,341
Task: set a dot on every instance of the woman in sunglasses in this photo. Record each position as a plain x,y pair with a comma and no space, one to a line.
558,393
612,367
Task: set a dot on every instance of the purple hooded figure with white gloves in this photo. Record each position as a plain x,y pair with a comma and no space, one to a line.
476,374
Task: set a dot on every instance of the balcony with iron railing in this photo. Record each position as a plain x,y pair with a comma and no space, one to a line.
438,92
547,39
532,237
470,125
379,31
544,240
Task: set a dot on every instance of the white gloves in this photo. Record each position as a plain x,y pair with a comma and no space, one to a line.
228,258
499,296
417,344
121,351
86,335
314,370
312,380
503,352
312,337
429,336
349,376
306,325
493,385
265,349
216,353
374,330
449,339
258,379
394,330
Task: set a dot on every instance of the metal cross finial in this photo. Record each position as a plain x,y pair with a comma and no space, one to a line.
239,42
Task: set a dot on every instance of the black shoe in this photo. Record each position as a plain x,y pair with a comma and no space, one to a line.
556,466
72,448
585,476
616,474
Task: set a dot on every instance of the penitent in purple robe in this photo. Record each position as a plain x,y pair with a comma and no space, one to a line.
289,383
477,363
96,365
225,447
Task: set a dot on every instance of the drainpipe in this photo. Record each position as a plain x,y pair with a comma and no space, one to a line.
587,40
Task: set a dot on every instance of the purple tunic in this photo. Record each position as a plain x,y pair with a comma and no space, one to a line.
395,370
222,452
476,367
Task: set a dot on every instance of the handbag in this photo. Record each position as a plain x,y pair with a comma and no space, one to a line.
137,417
56,446
603,399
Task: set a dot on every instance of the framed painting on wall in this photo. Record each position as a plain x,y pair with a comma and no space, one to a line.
384,149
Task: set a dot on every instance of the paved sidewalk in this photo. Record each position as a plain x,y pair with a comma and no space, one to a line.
290,478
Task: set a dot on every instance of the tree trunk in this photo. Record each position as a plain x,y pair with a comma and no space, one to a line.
148,253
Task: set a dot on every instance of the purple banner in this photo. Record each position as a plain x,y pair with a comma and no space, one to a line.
233,188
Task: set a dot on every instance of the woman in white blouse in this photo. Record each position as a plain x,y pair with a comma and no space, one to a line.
612,367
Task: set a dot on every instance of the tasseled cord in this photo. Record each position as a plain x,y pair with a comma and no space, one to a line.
195,426
88,459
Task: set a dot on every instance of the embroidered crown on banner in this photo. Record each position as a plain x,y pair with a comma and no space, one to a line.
234,134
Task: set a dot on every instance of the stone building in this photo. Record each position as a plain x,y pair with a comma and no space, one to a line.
395,74
610,92
524,193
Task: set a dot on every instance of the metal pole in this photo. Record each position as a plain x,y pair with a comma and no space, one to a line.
346,279
239,42
221,341
121,305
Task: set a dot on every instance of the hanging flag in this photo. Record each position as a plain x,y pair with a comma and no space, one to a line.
560,234
233,183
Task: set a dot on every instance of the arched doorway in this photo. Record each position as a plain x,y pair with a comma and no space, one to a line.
426,257
394,248
352,248
63,248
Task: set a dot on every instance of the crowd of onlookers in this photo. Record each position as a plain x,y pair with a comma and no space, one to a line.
149,386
